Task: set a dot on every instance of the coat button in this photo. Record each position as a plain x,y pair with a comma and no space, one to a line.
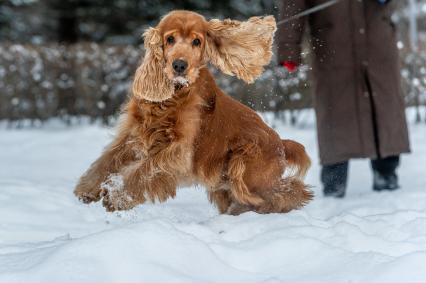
365,63
361,31
365,93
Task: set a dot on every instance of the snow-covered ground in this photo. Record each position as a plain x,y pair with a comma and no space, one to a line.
46,235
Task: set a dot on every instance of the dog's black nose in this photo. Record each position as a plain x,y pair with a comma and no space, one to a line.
179,66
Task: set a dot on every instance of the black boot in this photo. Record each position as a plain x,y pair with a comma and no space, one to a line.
334,178
384,171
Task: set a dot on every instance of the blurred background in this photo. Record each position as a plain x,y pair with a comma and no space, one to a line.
74,59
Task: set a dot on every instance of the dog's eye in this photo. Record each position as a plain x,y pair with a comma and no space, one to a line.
170,39
196,42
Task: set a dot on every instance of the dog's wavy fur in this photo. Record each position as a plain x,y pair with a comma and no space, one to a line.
172,134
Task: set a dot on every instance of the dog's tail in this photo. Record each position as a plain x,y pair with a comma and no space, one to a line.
296,157
290,193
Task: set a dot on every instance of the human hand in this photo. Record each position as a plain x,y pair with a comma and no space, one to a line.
290,66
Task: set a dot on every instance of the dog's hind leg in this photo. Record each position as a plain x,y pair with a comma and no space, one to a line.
240,192
225,203
137,183
257,184
221,199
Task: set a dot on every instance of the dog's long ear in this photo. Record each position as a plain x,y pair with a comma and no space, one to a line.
151,83
241,48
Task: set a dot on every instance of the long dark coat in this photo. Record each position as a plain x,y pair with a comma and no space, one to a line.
358,100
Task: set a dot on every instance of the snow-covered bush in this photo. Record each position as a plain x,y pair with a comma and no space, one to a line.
39,82
87,79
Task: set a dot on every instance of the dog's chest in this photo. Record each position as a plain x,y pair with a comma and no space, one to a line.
167,130
159,127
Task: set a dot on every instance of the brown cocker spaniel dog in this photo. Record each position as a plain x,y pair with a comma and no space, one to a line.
178,127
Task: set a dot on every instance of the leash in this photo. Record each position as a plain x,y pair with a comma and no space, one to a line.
310,11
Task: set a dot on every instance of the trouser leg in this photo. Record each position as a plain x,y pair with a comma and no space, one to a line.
384,171
334,178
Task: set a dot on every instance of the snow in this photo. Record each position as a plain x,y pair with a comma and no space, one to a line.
46,235
181,81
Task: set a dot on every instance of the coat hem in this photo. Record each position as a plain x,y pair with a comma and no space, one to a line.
347,157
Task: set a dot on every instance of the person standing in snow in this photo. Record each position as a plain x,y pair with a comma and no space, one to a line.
358,99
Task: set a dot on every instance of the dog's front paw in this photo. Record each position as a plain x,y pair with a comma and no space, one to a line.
88,198
87,195
117,200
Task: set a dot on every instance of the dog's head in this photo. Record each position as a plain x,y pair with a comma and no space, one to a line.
184,41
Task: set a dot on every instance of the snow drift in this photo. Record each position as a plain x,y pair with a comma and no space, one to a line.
46,235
